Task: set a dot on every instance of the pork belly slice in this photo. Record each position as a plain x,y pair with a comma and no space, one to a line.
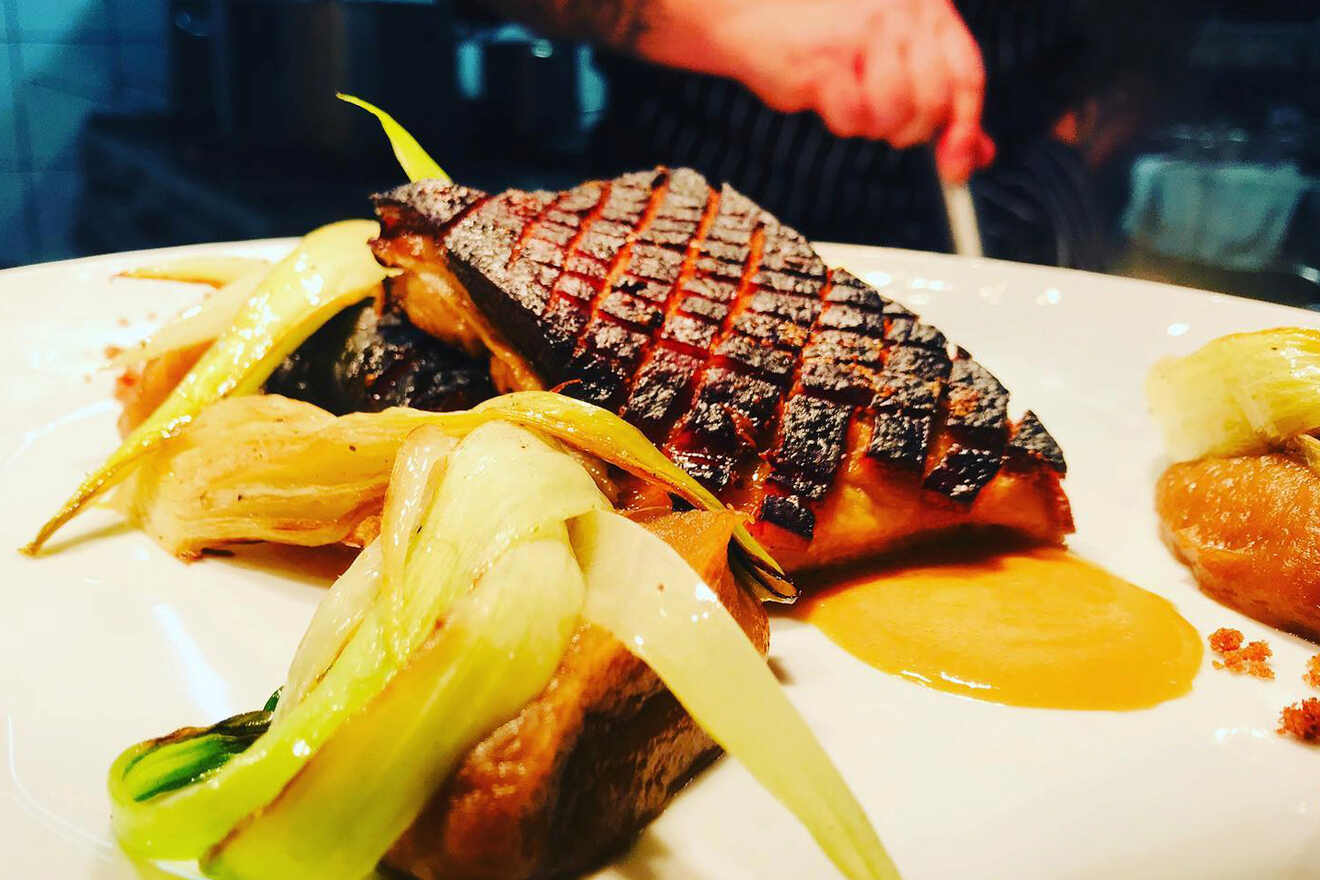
835,418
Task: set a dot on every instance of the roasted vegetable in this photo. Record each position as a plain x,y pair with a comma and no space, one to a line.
268,468
643,592
216,271
203,322
495,548
1240,394
415,161
329,269
186,822
495,650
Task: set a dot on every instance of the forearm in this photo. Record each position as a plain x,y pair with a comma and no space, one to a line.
904,71
671,32
620,24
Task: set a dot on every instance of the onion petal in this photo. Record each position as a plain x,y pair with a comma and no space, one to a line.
327,271
216,271
642,591
415,161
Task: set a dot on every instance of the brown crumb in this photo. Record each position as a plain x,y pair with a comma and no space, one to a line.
1224,639
1301,720
122,322
1254,659
112,352
1312,676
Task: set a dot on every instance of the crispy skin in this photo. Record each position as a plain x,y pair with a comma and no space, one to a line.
574,777
1246,527
719,332
362,361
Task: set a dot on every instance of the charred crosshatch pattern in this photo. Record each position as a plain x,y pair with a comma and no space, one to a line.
719,332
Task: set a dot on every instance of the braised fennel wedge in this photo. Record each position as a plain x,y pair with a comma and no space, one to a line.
494,548
1241,394
273,469
330,268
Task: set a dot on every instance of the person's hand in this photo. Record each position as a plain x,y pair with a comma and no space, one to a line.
902,71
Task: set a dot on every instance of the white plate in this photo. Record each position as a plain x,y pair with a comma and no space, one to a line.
110,640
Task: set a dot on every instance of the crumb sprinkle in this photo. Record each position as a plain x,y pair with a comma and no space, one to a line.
1312,676
1225,639
1252,659
1301,720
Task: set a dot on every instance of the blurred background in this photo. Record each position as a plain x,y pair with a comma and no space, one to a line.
1178,145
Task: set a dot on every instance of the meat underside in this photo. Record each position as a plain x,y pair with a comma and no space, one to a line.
363,360
832,415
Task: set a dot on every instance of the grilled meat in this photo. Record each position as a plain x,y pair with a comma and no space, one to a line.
835,417
363,361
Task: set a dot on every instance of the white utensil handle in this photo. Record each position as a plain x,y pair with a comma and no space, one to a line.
962,220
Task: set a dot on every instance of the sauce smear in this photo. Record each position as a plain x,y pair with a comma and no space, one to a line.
1032,627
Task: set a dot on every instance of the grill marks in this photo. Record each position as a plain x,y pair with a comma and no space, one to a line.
720,333
663,385
729,404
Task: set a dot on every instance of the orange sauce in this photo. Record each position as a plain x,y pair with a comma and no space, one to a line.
1033,627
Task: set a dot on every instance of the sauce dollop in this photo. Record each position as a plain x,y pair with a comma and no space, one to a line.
1030,627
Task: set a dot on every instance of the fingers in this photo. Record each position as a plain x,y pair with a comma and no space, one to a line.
890,101
923,78
963,147
927,75
844,107
902,71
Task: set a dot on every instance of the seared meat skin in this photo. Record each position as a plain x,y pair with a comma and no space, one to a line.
361,361
719,332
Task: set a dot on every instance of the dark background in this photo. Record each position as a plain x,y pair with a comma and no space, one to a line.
138,123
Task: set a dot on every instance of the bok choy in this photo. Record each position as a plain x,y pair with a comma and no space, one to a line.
495,651
494,549
185,823
328,270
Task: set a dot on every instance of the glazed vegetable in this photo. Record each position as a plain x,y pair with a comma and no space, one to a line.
203,322
416,163
337,617
328,270
268,468
185,823
647,596
504,484
184,757
414,481
216,271
514,546
1240,394
495,651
